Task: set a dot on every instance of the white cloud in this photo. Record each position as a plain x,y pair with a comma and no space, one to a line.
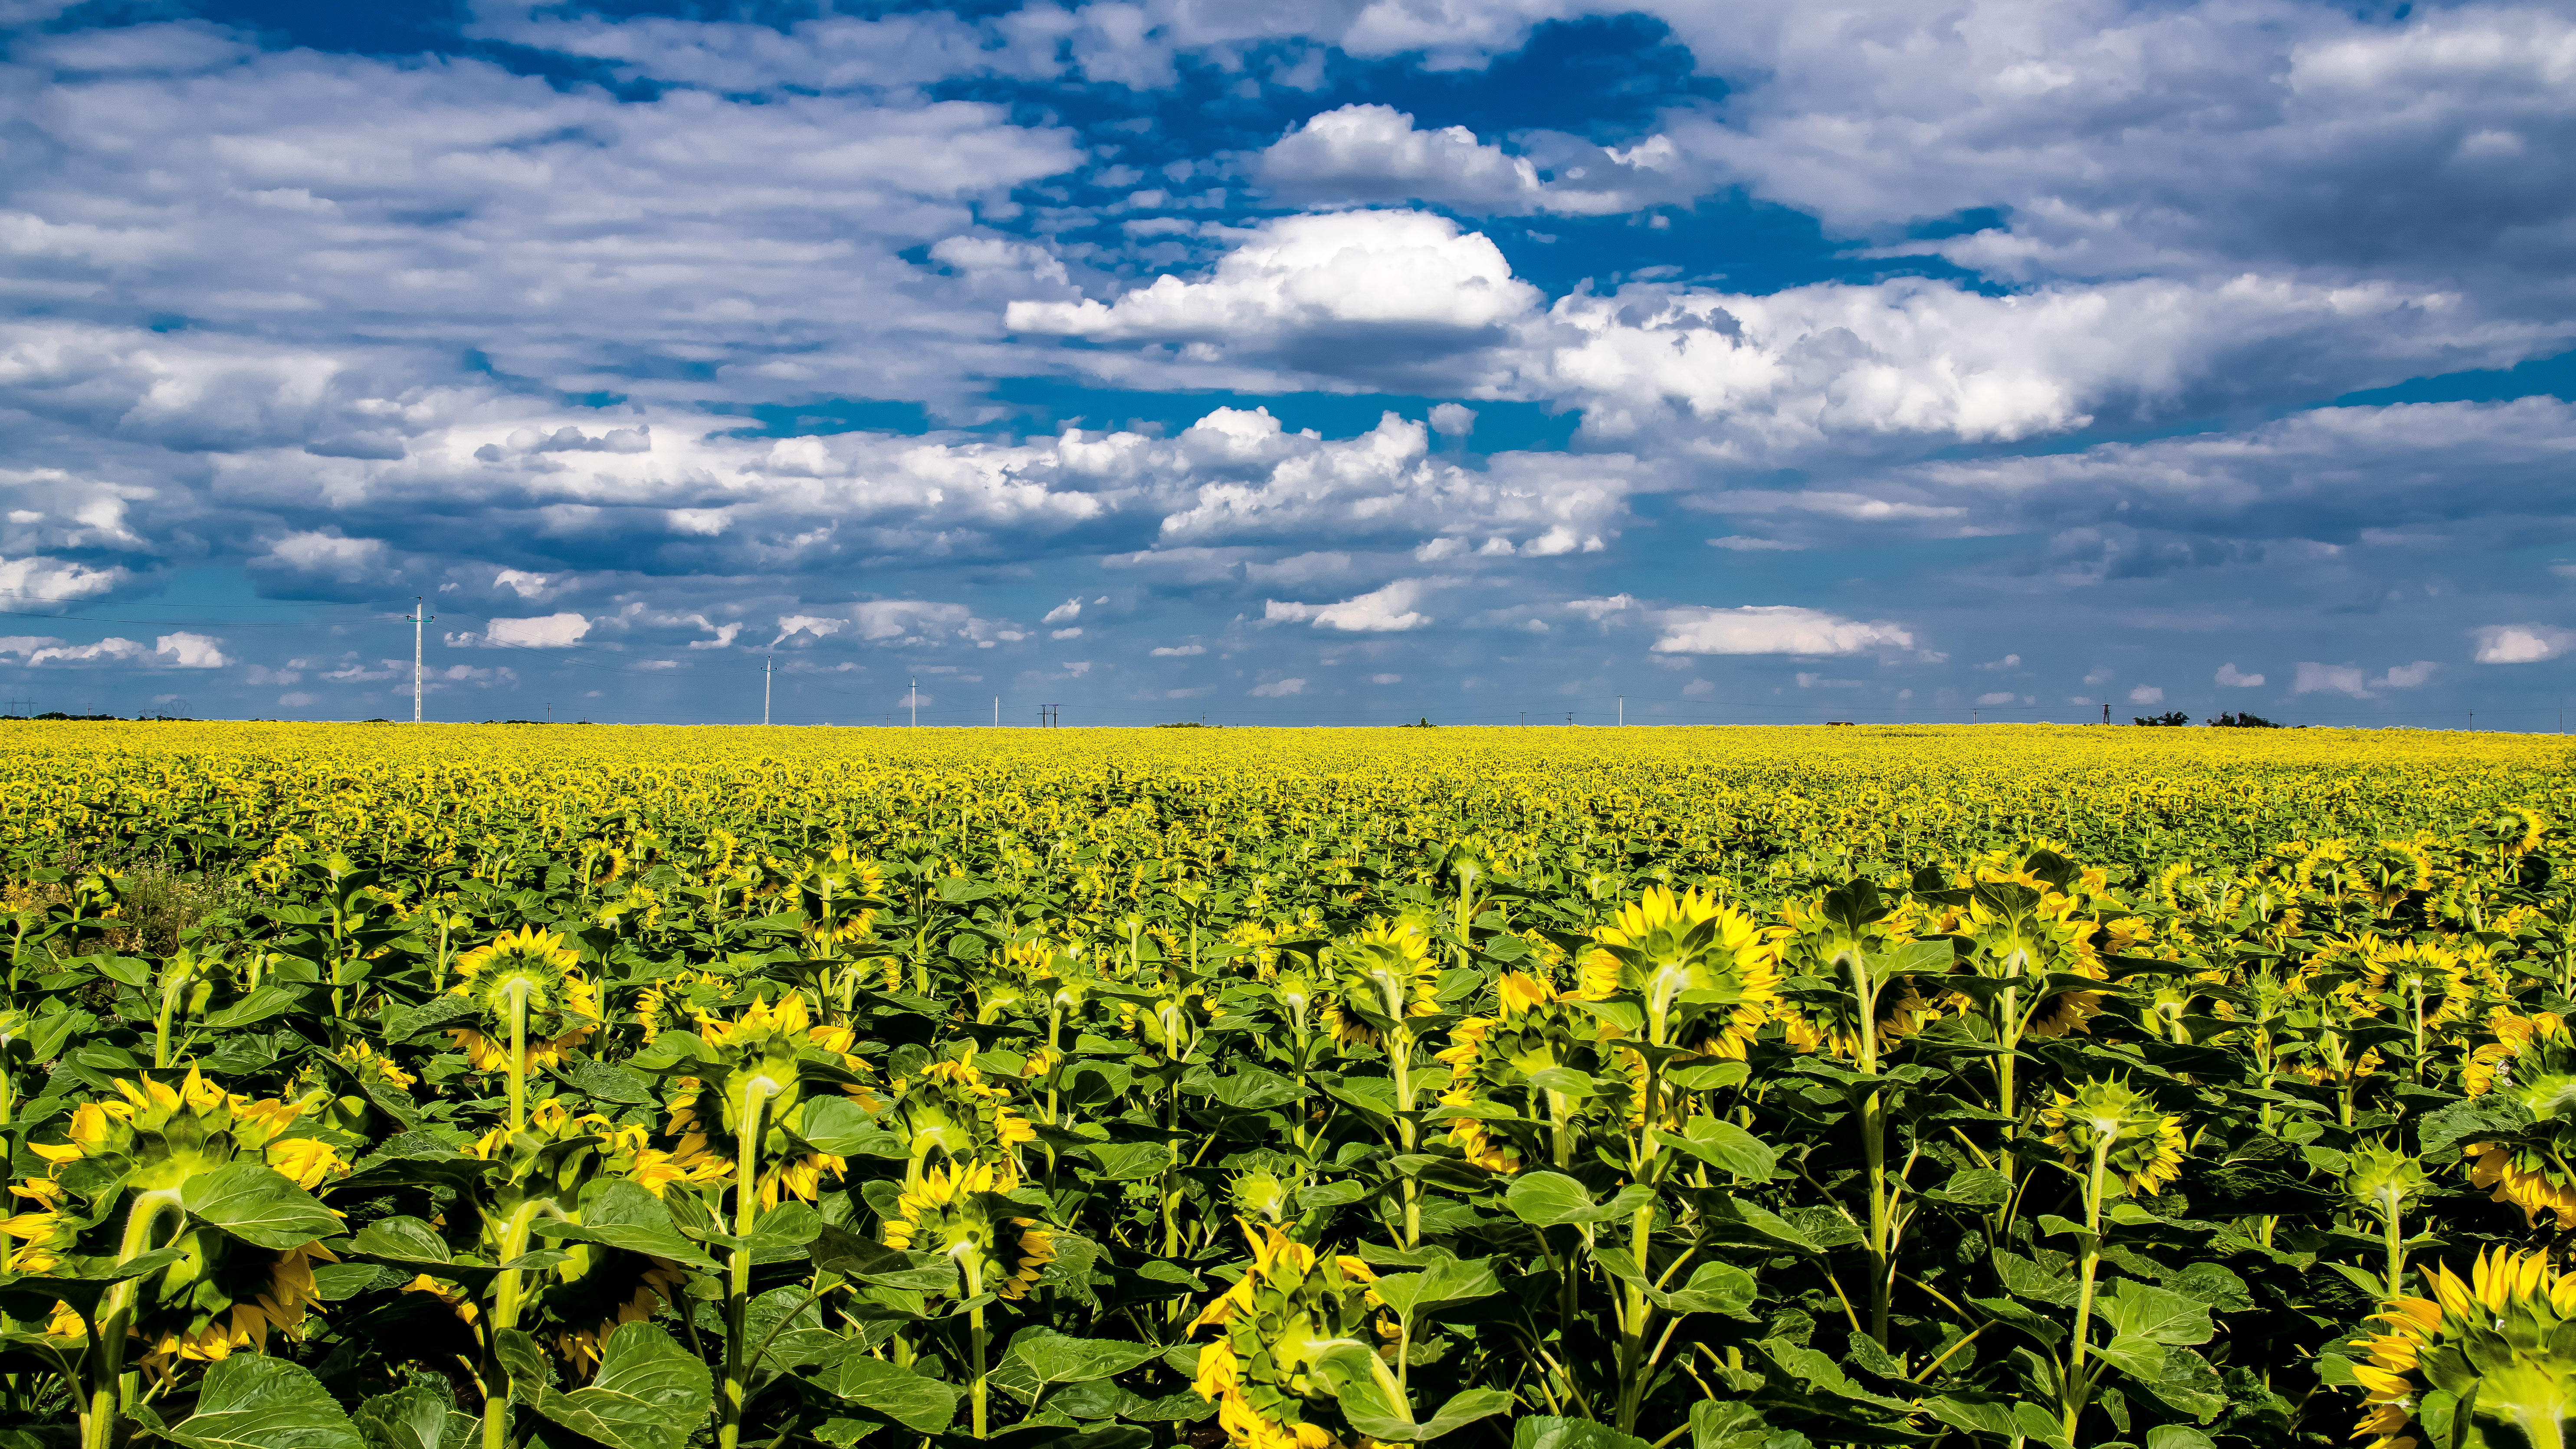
1379,611
326,553
526,585
1348,274
2521,643
2006,696
54,580
1774,629
1064,613
2329,679
1453,420
547,631
2146,694
2229,675
2406,676
1386,679
192,651
1073,633
1741,543
1179,651
1374,153
34,651
1598,610
2009,661
1279,689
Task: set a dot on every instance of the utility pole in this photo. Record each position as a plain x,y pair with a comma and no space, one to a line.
419,615
1569,719
2106,711
550,711
913,693
997,711
1972,716
1623,711
768,666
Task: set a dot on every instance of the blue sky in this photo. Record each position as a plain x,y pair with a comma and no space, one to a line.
1326,363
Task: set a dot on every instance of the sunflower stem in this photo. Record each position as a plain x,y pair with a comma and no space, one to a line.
2076,1386
746,1206
505,1315
976,1342
518,1057
111,1388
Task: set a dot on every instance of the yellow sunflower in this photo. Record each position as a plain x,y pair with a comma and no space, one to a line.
2142,1147
956,1210
2494,1350
533,971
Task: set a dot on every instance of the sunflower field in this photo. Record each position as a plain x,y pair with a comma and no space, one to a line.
390,1087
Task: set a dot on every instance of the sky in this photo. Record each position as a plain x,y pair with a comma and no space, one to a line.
1316,362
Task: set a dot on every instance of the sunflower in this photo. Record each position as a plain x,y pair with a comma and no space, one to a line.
2494,1351
166,1135
960,1211
2534,1059
225,1296
2144,1146
950,1110
533,971
761,1050
1291,1308
1662,946
1384,970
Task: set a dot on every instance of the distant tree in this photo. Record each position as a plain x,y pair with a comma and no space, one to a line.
2169,717
2246,721
1420,724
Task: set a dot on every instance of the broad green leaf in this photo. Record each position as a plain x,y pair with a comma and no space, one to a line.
257,1204
923,1405
1713,1288
1444,1284
2157,1315
2139,1358
626,1215
841,1251
649,1393
1541,1432
1055,1358
1129,1161
420,1415
1546,1199
403,1240
1725,1146
1463,1408
2177,1436
257,1006
252,1401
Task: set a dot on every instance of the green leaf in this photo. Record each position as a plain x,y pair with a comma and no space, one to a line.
1050,1357
839,1126
649,1393
2139,1358
608,1082
1725,1146
1129,1161
420,1415
841,1251
1444,1284
626,1215
1463,1408
1546,1199
1713,1288
252,1401
402,1240
1542,1432
2177,1436
2155,1315
259,1005
257,1204
925,1406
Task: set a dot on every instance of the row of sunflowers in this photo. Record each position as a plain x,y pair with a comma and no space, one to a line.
893,1123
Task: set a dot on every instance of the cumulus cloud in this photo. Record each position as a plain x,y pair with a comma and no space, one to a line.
1327,292
328,554
2144,694
1388,610
2329,679
1278,689
192,651
2229,675
2522,643
2406,676
547,631
1774,629
1179,651
1375,153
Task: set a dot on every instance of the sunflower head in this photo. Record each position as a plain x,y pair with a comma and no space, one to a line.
2384,1179
1687,956
528,969
963,1212
2141,1147
154,1135
2497,1349
1387,970
949,1109
1289,1312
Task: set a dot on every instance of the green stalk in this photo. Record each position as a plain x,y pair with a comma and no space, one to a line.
977,1340
2075,1386
1399,1052
2396,1241
505,1314
1873,1141
518,1057
170,985
109,1389
746,1165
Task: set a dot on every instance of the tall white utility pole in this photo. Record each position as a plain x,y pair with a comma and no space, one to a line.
768,666
1623,711
915,693
997,713
419,616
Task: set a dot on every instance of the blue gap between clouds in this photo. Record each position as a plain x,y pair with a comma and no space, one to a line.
1045,406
